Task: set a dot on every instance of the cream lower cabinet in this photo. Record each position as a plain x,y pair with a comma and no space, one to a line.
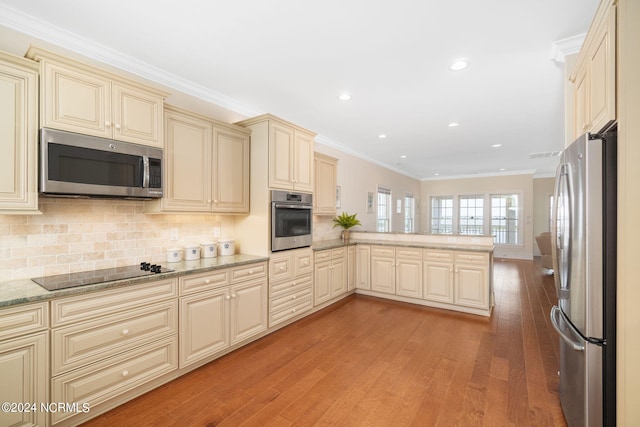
472,280
363,267
290,285
351,268
396,271
330,274
78,98
219,309
107,343
206,166
24,363
438,275
18,135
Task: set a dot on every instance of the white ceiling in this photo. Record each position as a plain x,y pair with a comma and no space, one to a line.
292,58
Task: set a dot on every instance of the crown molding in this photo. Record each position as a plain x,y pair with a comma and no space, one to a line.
561,48
54,35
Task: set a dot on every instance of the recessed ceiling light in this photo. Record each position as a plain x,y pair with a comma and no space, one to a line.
404,156
437,174
382,136
496,145
453,124
460,64
344,97
503,169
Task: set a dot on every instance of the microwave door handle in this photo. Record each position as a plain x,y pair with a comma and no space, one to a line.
145,171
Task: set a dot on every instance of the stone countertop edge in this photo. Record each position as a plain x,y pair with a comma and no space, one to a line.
26,290
331,244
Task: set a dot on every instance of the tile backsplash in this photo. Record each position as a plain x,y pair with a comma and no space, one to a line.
78,235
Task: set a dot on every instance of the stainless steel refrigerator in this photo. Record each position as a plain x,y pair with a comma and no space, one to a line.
584,256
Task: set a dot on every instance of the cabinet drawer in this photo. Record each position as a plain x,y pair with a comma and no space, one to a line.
289,286
322,255
285,301
281,267
248,271
23,319
439,256
290,312
100,382
204,281
87,342
382,251
471,258
338,253
410,253
303,262
96,304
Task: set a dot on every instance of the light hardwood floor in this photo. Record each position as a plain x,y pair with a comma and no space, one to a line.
371,362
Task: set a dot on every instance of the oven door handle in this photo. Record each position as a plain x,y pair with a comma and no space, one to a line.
291,206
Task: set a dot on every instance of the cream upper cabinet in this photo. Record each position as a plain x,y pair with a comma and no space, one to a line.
594,77
18,135
206,166
79,98
230,170
290,153
324,194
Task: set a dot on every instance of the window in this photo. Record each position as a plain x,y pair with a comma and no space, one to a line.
471,215
505,218
442,214
409,213
384,210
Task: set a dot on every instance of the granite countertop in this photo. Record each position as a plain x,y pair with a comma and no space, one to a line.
23,291
331,244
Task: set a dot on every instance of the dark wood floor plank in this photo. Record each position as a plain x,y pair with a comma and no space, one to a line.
372,362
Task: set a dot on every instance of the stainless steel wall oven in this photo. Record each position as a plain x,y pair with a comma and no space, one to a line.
291,219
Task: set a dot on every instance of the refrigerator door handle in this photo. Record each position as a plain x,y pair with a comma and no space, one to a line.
555,312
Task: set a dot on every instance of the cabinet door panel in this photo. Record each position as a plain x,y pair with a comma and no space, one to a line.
471,286
137,116
204,325
280,156
18,139
76,102
338,277
322,282
303,162
438,284
383,275
248,309
188,164
409,278
363,271
231,172
24,374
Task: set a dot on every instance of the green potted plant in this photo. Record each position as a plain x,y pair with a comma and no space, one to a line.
346,221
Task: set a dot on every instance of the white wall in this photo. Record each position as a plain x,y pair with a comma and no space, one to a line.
357,178
521,184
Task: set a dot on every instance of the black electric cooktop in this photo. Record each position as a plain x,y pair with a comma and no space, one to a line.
72,280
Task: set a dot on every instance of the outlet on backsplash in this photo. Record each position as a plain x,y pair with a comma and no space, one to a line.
174,234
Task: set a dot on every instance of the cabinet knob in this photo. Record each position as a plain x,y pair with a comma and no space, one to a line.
293,284
209,201
107,124
293,310
281,268
215,200
125,332
125,373
228,297
118,126
250,271
207,281
233,296
293,297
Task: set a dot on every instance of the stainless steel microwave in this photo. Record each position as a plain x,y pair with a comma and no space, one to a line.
73,164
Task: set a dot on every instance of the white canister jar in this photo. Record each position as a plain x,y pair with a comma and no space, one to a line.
191,253
174,255
227,247
209,250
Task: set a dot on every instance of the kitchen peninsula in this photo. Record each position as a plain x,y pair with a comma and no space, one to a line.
453,272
